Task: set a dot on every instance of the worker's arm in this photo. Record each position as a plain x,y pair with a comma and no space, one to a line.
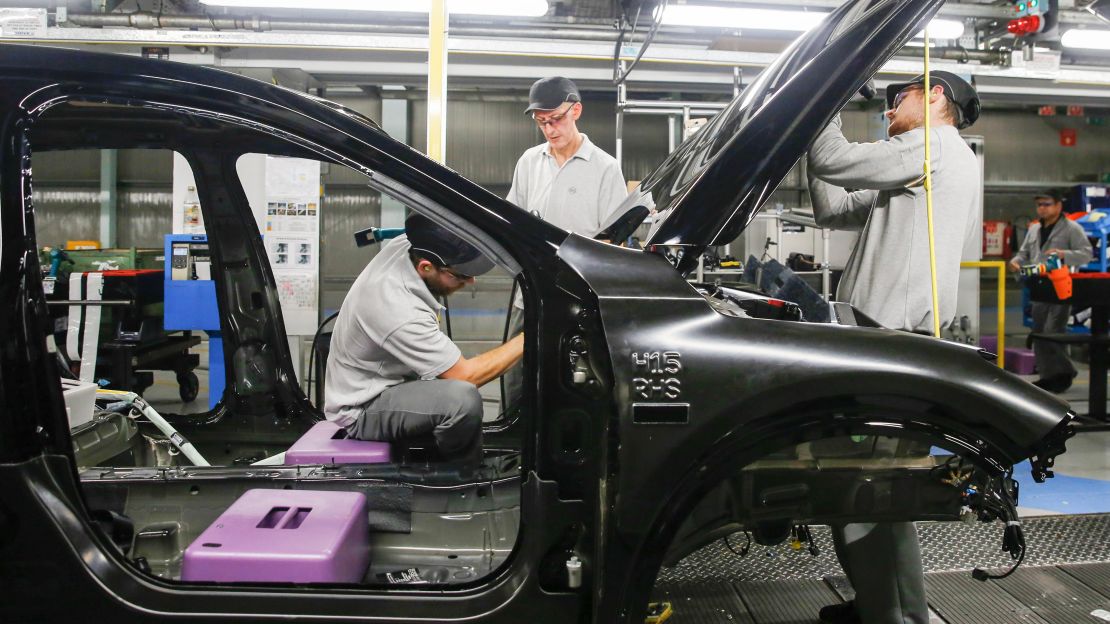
1078,251
883,165
484,368
835,208
1025,252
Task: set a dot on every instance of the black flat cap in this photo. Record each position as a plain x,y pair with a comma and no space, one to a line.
440,245
955,88
1053,194
551,93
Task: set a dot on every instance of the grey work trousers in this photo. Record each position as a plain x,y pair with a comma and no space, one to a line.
449,409
1052,357
883,563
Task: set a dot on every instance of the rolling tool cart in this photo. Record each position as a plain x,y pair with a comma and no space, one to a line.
113,331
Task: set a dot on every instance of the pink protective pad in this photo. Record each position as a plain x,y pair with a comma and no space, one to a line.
284,536
327,443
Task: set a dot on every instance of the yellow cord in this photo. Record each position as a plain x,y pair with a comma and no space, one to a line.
929,196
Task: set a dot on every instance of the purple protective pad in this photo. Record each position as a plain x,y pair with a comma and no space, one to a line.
326,443
1020,361
989,343
284,536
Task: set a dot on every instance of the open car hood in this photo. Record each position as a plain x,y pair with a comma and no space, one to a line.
709,189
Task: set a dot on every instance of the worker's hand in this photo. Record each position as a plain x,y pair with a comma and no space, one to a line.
1014,266
1058,252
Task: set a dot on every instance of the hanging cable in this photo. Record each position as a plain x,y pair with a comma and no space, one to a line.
929,195
656,21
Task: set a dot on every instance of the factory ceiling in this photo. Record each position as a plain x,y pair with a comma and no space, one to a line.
358,50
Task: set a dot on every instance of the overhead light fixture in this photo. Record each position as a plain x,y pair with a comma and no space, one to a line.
507,8
1087,38
733,17
943,29
774,19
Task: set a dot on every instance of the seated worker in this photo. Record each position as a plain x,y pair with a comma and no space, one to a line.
392,373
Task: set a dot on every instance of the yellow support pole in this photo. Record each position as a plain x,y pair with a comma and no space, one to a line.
929,195
1001,267
437,81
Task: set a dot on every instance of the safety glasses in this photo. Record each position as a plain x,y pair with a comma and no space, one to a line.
553,119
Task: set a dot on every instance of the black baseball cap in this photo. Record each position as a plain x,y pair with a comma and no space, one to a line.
438,244
551,93
956,89
1053,194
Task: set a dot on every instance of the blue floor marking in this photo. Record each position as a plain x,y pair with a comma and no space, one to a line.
1063,494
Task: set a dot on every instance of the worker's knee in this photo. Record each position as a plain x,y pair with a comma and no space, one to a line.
463,397
462,421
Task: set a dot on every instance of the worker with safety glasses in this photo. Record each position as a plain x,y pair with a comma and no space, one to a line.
888,279
566,180
1052,234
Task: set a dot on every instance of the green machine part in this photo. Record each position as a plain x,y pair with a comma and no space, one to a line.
102,259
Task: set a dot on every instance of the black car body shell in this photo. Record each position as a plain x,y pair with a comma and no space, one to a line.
679,394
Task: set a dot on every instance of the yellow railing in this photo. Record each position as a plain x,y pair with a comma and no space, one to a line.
1001,266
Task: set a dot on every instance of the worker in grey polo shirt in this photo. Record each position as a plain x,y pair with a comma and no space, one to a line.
566,180
888,278
392,373
1052,233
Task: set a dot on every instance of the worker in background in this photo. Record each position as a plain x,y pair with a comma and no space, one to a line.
1052,233
888,278
567,181
392,373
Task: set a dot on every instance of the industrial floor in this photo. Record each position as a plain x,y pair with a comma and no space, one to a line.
1065,577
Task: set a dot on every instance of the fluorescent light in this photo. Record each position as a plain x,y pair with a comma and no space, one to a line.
1090,39
514,8
943,29
773,19
731,17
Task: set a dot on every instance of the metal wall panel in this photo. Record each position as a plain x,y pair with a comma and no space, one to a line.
66,213
1022,146
343,211
70,166
145,216
145,166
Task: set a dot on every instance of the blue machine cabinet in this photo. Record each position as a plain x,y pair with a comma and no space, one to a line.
1094,200
190,301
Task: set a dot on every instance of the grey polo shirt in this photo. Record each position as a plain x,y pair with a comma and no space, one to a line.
387,332
577,196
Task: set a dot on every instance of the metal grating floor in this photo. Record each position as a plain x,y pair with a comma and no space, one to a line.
1065,577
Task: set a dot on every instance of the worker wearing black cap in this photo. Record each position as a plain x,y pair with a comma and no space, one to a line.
1052,233
567,181
888,278
392,373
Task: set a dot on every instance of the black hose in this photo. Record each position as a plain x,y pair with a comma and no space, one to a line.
312,356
